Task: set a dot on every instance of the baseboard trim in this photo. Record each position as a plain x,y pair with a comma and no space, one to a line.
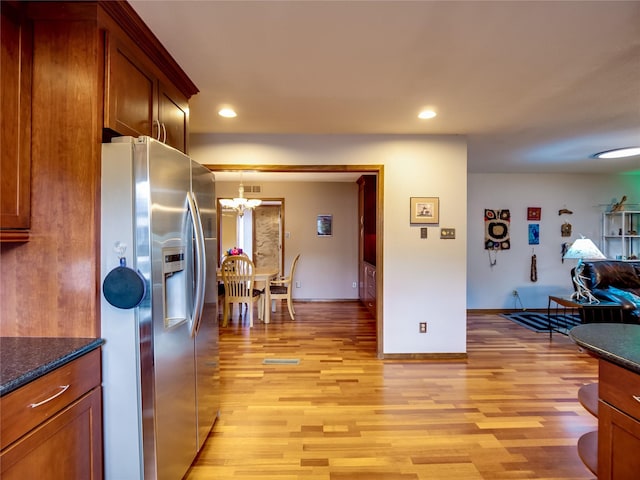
440,357
498,311
327,300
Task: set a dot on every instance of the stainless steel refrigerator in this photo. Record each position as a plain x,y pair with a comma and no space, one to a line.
160,358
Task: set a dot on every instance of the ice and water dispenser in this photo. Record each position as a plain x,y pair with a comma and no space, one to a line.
174,291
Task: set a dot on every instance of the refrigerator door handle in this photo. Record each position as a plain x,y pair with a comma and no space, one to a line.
198,301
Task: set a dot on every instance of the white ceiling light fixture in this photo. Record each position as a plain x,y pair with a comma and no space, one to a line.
619,153
426,114
227,112
240,203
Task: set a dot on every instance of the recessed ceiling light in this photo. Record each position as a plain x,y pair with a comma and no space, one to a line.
619,153
227,113
425,114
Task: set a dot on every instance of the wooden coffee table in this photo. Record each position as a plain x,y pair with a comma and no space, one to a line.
602,312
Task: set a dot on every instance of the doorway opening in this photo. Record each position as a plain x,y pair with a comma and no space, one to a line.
378,171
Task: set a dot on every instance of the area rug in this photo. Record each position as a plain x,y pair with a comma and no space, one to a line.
539,322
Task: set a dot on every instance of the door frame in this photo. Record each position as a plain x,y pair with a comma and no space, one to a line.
377,170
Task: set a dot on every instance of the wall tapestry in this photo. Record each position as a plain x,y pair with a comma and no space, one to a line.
496,229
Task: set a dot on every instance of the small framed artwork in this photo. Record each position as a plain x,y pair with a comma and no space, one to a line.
534,213
534,234
424,210
325,225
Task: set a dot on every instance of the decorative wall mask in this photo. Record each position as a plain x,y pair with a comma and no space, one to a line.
496,229
565,229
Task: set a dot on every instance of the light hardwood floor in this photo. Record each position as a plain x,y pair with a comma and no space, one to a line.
510,411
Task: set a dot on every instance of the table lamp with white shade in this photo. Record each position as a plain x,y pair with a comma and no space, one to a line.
583,249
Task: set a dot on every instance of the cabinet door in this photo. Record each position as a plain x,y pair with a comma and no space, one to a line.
173,116
618,444
370,288
15,121
67,446
130,93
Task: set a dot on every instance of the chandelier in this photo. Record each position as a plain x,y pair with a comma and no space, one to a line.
240,203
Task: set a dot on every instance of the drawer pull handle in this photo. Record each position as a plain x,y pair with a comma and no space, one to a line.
64,389
636,398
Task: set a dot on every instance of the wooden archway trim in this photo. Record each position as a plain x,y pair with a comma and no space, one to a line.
365,169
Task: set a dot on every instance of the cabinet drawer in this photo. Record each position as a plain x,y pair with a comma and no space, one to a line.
620,388
25,408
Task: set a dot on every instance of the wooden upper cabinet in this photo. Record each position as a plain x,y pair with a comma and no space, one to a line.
137,102
130,93
15,125
173,117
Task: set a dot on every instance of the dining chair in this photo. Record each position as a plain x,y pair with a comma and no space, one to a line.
238,278
221,284
281,289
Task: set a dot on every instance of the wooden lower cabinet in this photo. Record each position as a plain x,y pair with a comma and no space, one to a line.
611,452
370,288
618,423
367,214
67,446
618,444
52,426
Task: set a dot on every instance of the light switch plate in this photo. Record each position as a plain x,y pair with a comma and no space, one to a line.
423,232
447,233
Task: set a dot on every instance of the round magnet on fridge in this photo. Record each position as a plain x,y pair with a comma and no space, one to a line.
124,287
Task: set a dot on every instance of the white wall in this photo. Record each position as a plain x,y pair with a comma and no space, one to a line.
586,195
424,279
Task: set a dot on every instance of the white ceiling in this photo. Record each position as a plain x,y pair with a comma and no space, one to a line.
536,86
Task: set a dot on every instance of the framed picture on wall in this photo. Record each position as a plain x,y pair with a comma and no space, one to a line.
324,225
534,234
424,210
534,213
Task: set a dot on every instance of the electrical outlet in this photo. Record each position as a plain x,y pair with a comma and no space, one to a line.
354,285
297,284
447,233
423,327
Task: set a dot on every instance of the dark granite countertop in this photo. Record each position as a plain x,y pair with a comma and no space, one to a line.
23,359
615,342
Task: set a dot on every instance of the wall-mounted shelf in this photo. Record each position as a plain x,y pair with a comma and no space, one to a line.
621,235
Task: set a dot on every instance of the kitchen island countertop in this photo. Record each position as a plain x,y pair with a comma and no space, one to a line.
24,359
617,343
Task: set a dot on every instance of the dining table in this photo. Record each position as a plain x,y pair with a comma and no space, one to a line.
262,275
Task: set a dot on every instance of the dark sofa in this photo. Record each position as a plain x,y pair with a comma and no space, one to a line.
615,281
